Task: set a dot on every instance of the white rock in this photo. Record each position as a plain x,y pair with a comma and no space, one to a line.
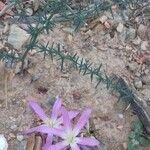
3,143
120,27
120,116
103,19
136,41
17,37
142,31
138,84
20,137
144,45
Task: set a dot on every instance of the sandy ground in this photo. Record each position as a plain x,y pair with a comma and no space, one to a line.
77,91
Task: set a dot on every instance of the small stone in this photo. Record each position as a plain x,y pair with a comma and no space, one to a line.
146,92
127,34
132,66
12,135
103,19
120,27
146,71
130,34
89,32
120,127
17,37
128,48
22,145
142,31
120,116
146,79
136,41
3,143
124,145
144,45
20,137
29,11
13,127
138,84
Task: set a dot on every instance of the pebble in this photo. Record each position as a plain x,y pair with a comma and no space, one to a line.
146,92
3,143
132,66
127,34
20,137
13,127
144,45
120,27
12,136
146,79
17,37
103,19
22,145
142,31
120,116
138,84
137,41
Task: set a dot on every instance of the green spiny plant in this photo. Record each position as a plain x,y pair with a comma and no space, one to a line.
136,136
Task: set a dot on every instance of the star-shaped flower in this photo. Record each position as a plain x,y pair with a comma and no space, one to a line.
71,136
55,121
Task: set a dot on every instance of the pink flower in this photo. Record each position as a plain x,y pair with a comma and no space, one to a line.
55,121
71,136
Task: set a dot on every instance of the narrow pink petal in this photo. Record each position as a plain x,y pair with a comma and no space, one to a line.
73,114
41,128
82,120
56,108
75,147
58,146
45,129
57,132
49,141
37,109
66,119
88,141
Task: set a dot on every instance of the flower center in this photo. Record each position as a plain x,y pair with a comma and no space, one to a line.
70,137
51,122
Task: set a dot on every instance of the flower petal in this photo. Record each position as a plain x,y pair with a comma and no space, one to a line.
58,146
75,147
37,109
41,128
82,120
88,141
66,119
73,114
49,141
45,129
56,108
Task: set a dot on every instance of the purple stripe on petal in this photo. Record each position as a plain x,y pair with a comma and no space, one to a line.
75,147
49,141
66,120
37,109
82,120
88,141
56,108
58,146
